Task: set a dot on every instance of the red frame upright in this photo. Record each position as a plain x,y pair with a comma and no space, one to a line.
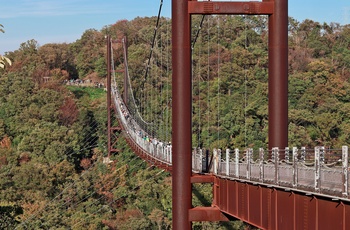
182,94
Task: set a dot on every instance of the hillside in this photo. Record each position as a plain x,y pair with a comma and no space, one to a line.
53,133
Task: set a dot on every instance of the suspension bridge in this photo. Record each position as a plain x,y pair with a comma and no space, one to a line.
274,188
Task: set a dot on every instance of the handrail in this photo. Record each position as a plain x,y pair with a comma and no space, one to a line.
313,171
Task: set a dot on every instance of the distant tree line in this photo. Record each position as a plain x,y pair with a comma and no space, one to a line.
53,136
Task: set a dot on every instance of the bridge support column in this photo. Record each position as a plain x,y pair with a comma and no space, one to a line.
182,115
278,76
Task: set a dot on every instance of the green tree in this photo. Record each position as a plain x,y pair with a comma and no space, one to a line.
3,60
101,67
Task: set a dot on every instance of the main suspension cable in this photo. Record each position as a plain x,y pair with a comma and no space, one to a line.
154,38
198,31
129,83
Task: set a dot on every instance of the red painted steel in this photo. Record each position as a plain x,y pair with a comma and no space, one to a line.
207,7
109,104
263,207
346,214
254,203
202,178
207,214
271,208
278,76
112,131
284,208
181,59
182,115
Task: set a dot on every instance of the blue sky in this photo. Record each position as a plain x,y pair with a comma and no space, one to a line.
57,21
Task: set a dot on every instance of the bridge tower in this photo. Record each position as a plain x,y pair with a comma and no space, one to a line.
112,131
277,10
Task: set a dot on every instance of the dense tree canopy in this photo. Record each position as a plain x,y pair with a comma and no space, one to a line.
53,136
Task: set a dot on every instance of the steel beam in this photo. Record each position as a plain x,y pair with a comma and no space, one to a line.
278,76
271,208
182,115
182,95
208,7
202,178
206,214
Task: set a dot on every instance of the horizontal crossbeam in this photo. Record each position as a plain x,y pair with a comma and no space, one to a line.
209,7
206,214
202,179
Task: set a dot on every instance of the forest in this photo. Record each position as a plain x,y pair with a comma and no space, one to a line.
53,135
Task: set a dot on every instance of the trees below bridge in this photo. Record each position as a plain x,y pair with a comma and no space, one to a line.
53,137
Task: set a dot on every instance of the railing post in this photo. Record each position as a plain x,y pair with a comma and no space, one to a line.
206,160
295,167
345,165
171,153
215,153
302,154
157,152
170,150
261,165
193,158
151,148
219,161
201,161
322,155
286,154
227,162
237,163
275,153
317,169
248,157
163,152
160,152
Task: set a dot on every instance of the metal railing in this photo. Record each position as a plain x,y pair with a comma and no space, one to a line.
318,170
312,171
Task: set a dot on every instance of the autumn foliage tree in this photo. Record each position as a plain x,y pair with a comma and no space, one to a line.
54,136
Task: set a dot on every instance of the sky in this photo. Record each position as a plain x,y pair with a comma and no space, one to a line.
59,21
